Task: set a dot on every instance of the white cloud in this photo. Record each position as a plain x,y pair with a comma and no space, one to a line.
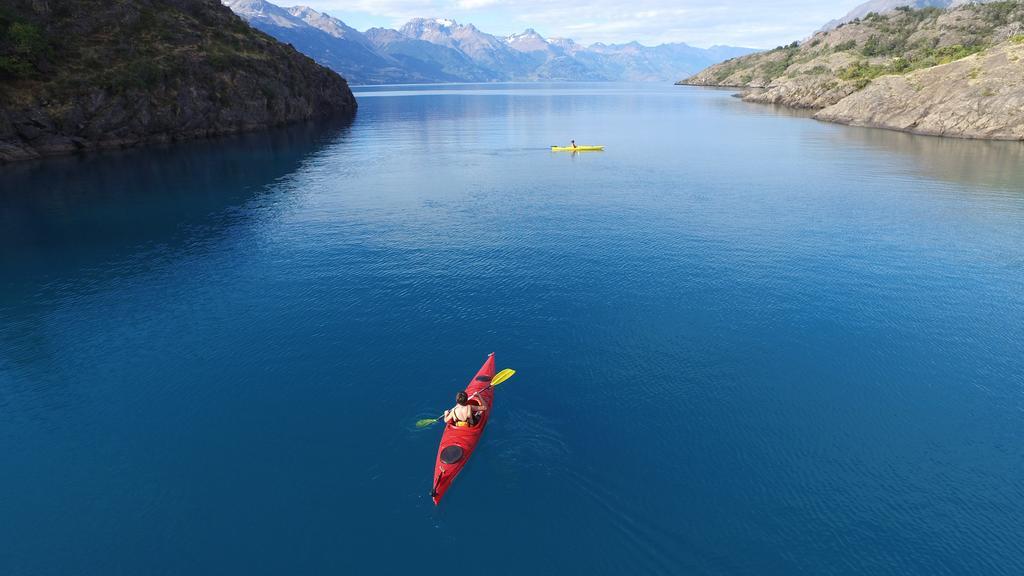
473,4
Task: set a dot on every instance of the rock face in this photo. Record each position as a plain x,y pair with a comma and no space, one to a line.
86,74
951,73
981,96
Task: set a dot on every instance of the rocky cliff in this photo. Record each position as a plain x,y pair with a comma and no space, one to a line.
981,96
952,73
86,74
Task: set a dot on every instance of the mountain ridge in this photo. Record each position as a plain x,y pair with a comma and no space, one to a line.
444,50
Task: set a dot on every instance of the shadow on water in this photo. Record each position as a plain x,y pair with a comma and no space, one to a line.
66,223
80,209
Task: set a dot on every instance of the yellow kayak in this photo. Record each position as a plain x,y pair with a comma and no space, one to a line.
577,149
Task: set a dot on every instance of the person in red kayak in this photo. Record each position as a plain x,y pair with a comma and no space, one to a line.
464,413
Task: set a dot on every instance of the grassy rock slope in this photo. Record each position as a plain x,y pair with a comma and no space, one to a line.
952,73
86,74
981,96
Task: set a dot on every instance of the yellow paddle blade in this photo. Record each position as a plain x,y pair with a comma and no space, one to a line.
425,423
502,376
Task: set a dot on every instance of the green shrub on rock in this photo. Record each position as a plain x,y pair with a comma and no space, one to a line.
22,46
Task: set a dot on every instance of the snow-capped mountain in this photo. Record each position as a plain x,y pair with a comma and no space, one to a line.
426,60
325,23
486,50
530,41
327,40
443,50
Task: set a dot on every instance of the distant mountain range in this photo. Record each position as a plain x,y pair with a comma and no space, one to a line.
440,50
883,6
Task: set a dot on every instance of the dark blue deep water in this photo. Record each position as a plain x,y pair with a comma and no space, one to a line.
746,342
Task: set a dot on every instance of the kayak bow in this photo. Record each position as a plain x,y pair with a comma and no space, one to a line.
458,443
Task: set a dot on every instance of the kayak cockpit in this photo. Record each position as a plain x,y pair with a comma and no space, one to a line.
451,454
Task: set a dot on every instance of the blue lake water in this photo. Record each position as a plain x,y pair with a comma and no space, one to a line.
747,343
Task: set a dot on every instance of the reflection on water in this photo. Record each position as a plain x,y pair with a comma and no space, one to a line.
68,224
65,207
971,162
995,164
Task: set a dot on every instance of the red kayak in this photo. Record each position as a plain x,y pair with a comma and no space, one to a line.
457,443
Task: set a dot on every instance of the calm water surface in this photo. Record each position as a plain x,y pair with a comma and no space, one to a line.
746,342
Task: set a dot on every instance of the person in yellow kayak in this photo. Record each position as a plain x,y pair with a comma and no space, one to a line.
464,413
573,142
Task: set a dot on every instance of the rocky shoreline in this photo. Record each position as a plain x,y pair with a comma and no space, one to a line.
958,73
80,75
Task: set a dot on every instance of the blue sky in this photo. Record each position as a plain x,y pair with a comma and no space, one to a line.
758,24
